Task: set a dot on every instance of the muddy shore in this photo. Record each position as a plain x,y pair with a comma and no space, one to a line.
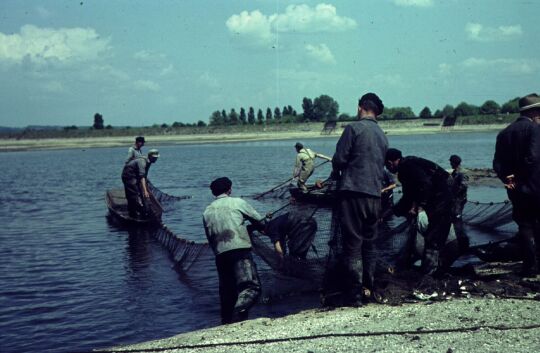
493,311
9,145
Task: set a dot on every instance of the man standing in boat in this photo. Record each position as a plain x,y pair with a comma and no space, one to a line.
225,227
134,177
304,164
135,151
358,163
517,164
426,186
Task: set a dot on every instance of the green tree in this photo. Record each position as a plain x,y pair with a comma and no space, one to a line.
512,106
465,109
251,116
345,117
325,108
216,119
490,107
291,110
285,111
268,115
448,110
425,113
225,116
307,106
98,121
260,117
233,117
277,114
201,123
164,126
242,116
438,114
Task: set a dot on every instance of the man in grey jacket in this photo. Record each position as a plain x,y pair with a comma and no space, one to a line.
358,163
225,226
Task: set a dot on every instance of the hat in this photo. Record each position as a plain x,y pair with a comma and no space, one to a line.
374,101
298,146
220,186
154,153
393,154
530,101
139,139
455,159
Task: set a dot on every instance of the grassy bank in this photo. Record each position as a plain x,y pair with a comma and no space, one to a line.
191,135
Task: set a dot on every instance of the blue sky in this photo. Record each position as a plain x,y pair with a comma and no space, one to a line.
145,62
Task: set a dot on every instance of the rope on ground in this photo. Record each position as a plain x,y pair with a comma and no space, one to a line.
334,335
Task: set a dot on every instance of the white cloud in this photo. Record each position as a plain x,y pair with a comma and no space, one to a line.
416,3
321,53
145,55
41,45
146,85
208,80
43,12
515,66
303,18
445,69
167,70
53,87
261,29
253,26
477,32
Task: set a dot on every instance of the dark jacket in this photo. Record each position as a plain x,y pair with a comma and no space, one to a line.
359,158
424,183
136,169
517,152
459,185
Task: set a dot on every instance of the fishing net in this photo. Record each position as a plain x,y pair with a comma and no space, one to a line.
163,197
396,237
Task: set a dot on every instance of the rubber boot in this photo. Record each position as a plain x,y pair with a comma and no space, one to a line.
248,286
530,260
354,293
430,261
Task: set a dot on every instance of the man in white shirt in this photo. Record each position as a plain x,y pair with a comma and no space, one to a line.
225,227
304,165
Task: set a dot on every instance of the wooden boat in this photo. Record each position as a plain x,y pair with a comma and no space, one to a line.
117,205
322,197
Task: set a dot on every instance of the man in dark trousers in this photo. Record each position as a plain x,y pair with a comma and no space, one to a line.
134,177
517,164
426,186
358,163
460,181
225,226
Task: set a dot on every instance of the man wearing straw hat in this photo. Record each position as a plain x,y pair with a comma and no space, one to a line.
517,164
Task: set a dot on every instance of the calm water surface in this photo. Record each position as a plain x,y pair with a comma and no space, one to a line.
70,280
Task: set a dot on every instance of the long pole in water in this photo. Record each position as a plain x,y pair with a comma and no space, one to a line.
285,182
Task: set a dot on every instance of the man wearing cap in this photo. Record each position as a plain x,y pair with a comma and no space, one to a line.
224,223
426,186
303,167
517,164
134,177
358,164
135,151
460,181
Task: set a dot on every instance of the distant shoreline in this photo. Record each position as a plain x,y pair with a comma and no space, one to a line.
13,145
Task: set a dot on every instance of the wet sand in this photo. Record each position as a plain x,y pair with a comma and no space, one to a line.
313,131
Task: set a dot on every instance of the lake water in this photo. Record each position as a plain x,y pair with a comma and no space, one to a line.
70,280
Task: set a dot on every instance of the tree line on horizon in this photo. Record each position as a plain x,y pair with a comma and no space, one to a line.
325,108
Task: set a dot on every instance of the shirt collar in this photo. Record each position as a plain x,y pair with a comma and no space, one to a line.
222,196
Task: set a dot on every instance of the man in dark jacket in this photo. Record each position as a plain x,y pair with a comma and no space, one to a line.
517,164
358,164
292,233
425,186
134,177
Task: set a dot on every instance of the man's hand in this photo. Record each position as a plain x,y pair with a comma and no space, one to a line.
510,182
146,194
